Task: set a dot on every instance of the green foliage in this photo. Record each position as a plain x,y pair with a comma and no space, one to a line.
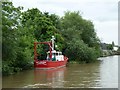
89,35
113,43
39,24
81,42
109,46
74,35
9,31
79,51
15,47
10,18
42,27
118,49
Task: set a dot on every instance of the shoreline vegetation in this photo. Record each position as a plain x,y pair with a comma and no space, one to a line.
104,54
110,53
75,37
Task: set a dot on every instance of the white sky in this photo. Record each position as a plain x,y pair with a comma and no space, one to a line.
103,13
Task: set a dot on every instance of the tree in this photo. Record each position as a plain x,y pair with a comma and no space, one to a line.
74,35
109,46
79,51
89,35
10,24
42,27
113,44
80,37
118,49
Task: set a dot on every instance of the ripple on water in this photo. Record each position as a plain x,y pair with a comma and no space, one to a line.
38,85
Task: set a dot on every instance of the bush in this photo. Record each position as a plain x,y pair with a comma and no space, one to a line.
6,69
79,51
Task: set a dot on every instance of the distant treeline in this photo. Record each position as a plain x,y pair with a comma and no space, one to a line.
75,36
109,49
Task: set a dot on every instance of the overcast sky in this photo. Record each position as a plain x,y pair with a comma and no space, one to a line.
103,13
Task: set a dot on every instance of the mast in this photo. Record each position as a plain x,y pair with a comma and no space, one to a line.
53,38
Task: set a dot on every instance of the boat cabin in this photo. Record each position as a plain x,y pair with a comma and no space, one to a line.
56,56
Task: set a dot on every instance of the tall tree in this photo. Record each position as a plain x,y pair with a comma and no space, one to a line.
78,31
89,35
41,26
10,24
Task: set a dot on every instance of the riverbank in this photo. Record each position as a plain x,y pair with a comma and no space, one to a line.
81,62
106,53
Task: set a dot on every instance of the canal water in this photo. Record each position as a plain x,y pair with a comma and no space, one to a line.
102,74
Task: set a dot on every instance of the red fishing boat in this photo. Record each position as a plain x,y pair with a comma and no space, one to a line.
54,59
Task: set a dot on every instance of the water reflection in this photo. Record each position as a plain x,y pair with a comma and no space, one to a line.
50,78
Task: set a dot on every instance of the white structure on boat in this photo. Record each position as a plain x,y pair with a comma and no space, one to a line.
56,55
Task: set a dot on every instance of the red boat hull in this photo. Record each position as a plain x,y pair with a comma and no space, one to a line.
45,64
